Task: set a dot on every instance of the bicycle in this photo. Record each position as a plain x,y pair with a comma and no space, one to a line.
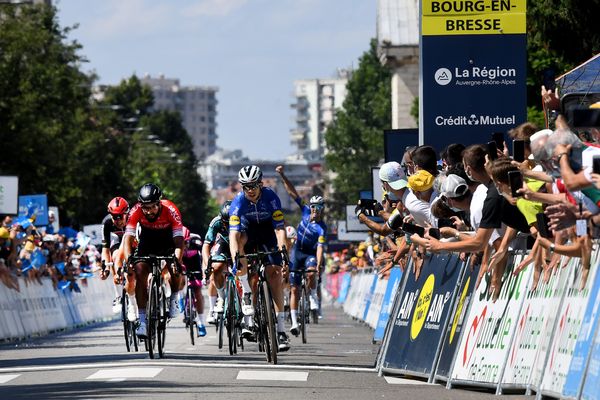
190,311
264,315
128,326
304,312
156,308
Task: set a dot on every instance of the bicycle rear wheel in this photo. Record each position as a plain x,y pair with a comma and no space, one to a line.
191,311
271,333
220,327
152,317
302,310
161,327
127,329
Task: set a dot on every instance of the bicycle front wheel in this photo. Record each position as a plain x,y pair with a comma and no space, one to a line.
127,328
230,318
152,317
269,318
302,312
191,311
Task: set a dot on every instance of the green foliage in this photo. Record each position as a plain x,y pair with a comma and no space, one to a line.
355,138
561,34
79,152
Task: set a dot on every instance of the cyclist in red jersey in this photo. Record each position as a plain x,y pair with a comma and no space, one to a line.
161,234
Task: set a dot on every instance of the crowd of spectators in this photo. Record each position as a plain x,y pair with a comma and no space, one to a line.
65,257
485,200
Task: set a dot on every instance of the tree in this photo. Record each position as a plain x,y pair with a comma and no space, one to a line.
355,138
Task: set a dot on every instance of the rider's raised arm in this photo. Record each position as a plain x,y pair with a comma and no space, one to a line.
289,186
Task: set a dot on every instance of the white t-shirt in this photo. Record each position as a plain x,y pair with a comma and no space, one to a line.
476,211
587,161
421,210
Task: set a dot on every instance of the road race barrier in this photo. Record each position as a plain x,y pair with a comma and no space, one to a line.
418,325
387,303
41,309
375,302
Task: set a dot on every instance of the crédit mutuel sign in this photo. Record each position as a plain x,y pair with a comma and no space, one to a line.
473,70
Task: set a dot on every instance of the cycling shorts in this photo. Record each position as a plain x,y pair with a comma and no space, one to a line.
261,237
299,262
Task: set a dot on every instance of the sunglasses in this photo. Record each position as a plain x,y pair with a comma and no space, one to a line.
149,207
117,216
250,187
317,207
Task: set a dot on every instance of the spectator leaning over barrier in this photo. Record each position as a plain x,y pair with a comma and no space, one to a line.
452,155
496,211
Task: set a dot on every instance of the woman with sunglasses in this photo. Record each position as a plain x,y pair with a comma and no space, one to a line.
113,228
310,243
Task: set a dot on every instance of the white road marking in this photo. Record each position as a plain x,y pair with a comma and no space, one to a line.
124,373
8,377
272,375
117,380
161,363
401,381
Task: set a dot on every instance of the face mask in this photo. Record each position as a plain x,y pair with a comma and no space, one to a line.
392,196
455,209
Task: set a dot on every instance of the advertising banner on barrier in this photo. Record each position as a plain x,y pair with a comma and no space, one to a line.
568,326
368,297
489,328
421,319
534,330
454,330
344,287
583,346
591,386
376,302
388,303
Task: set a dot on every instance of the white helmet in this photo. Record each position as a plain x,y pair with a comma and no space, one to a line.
317,200
249,174
290,232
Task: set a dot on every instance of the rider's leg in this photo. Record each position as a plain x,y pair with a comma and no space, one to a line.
312,285
275,279
177,283
137,276
218,280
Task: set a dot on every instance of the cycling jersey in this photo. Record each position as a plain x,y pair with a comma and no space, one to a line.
156,237
258,220
111,234
311,234
192,261
267,210
216,228
217,236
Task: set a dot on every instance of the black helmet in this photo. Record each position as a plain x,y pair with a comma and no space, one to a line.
225,210
149,193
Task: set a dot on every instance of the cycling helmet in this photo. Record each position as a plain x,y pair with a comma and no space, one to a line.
249,174
149,193
317,200
118,206
186,234
225,211
290,232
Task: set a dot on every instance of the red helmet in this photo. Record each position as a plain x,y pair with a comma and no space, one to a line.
118,206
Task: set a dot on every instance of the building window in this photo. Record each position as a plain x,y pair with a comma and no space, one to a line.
203,119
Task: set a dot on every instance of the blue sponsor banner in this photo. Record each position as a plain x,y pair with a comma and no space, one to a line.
473,85
455,326
345,287
422,315
370,296
591,387
583,347
34,205
387,304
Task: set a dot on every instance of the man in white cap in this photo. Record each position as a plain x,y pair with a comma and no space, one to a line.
394,183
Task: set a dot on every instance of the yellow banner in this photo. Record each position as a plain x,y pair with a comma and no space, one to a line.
482,24
473,7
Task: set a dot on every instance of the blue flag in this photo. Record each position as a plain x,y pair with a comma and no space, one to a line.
84,275
60,267
26,265
38,259
62,285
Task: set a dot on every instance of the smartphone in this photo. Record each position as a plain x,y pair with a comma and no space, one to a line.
542,225
434,233
548,78
515,178
412,228
518,150
445,223
596,164
492,150
498,137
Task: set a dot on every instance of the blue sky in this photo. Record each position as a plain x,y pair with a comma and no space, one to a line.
252,50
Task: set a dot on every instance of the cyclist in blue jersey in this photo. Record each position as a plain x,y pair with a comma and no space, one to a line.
216,245
256,223
310,245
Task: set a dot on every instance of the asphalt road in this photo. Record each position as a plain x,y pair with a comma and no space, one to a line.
92,363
